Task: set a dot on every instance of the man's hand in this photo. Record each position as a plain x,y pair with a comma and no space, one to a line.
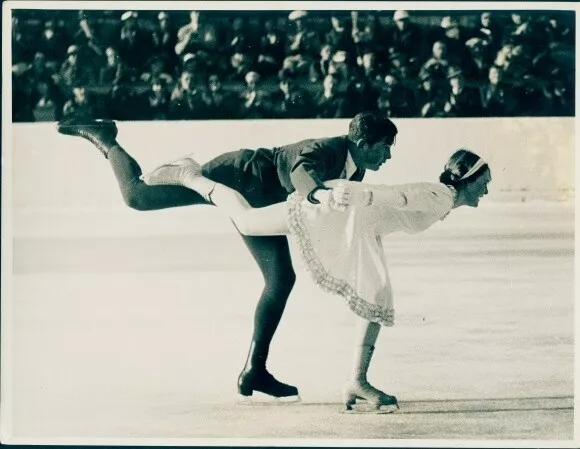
337,198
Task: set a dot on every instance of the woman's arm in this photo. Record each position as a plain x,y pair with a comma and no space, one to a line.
410,197
270,220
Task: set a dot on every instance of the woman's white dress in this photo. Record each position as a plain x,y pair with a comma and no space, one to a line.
343,250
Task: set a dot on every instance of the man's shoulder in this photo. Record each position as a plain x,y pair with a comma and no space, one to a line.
335,144
338,142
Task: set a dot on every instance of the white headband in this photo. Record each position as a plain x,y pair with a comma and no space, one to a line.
480,163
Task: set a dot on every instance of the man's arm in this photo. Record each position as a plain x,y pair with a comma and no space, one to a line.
312,166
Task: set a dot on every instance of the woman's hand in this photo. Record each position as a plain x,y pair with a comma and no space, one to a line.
340,196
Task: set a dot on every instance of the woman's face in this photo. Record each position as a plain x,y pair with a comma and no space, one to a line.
477,189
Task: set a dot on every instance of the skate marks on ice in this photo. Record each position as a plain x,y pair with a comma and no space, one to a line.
459,406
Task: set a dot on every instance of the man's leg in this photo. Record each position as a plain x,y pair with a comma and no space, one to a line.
272,255
137,194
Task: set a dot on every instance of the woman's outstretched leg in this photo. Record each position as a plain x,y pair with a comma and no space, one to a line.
358,386
137,195
264,221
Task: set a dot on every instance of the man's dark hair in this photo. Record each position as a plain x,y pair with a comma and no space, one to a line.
372,127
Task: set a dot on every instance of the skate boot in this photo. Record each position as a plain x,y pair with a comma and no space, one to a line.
256,378
376,400
359,388
101,133
174,173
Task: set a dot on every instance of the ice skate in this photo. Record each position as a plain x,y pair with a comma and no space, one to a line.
174,173
358,388
261,381
373,400
101,133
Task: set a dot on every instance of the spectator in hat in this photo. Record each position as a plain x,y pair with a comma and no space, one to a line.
463,101
272,45
497,99
368,34
53,44
396,99
303,44
253,100
480,59
80,106
196,35
330,102
72,73
114,71
135,45
164,38
189,100
407,37
223,103
290,101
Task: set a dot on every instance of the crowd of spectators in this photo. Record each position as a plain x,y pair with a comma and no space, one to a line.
179,65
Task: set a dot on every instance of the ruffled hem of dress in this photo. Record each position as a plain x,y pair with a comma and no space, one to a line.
322,277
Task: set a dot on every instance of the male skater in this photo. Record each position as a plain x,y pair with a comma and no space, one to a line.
264,177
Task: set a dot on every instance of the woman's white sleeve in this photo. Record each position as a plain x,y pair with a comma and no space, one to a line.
409,197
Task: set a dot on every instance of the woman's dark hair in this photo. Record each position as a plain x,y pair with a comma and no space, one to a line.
372,127
458,165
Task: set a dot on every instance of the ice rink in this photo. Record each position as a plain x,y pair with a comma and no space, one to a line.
124,325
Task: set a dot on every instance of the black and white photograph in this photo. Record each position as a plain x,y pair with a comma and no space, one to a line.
251,223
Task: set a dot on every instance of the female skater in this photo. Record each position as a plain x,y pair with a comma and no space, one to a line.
342,249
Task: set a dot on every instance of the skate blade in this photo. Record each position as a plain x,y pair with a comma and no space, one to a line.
259,400
369,409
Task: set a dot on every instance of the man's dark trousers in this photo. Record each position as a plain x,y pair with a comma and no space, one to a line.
250,173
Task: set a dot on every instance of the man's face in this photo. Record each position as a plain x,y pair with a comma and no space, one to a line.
402,24
477,189
376,154
439,50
